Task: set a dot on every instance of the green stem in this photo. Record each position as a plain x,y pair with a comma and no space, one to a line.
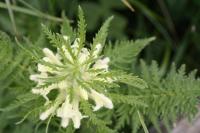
166,58
30,12
142,122
10,12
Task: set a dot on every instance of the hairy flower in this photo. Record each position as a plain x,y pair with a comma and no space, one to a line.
72,72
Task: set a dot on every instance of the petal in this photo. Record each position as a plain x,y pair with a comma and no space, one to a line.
97,50
65,122
46,59
44,91
100,100
34,77
65,111
43,68
66,38
51,56
67,54
77,121
97,107
84,55
37,77
75,46
59,112
97,98
102,63
63,84
87,76
46,114
107,102
83,93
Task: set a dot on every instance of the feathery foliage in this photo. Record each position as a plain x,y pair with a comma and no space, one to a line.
169,95
122,54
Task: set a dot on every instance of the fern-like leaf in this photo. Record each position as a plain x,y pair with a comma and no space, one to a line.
123,53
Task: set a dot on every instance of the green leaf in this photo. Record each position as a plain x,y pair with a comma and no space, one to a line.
6,49
66,29
102,34
131,80
20,100
123,53
11,67
99,124
81,28
127,99
58,41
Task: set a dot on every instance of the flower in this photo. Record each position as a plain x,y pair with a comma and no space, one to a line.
100,100
70,111
71,72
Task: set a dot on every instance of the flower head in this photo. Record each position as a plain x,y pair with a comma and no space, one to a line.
72,71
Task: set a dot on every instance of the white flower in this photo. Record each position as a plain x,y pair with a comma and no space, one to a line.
70,111
82,93
67,54
47,113
100,100
66,38
50,57
37,77
84,55
63,84
71,77
44,91
97,50
75,46
102,63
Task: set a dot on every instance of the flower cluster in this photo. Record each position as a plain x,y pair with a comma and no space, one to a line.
69,73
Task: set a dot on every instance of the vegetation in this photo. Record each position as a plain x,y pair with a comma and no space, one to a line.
144,93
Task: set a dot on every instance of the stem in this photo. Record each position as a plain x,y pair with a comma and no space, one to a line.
166,58
142,122
126,3
10,12
30,12
168,17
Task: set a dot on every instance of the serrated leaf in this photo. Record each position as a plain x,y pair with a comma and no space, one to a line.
66,29
6,49
20,100
131,80
127,99
102,34
81,28
124,52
